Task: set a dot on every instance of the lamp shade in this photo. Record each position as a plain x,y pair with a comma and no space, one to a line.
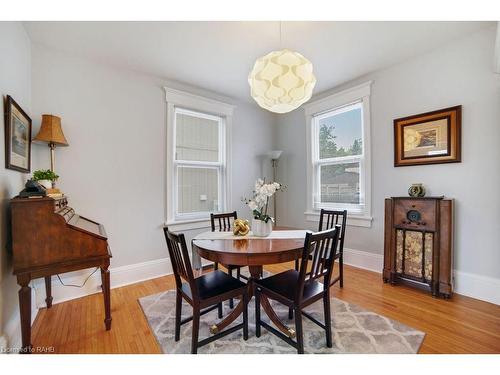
282,81
275,154
51,131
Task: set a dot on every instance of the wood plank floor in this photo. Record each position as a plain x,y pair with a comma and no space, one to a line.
459,325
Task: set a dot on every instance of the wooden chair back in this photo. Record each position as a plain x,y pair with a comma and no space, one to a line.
329,219
318,258
224,221
179,257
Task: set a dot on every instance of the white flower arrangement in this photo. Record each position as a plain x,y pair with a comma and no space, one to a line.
260,200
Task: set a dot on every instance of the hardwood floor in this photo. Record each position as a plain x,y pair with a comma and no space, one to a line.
459,325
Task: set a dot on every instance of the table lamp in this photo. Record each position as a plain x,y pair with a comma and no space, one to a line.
51,133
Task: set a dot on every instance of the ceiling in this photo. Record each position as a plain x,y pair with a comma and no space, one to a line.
218,56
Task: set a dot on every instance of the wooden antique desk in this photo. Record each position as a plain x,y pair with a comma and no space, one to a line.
254,253
49,238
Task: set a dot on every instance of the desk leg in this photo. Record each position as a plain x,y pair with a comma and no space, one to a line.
25,312
48,291
107,296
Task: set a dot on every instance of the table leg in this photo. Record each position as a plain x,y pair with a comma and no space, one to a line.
255,274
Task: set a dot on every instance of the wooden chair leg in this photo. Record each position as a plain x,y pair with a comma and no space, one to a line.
290,313
178,311
216,266
245,317
238,273
257,313
299,332
196,329
219,309
328,319
341,269
296,264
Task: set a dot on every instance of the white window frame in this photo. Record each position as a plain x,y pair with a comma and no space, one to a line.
358,215
183,102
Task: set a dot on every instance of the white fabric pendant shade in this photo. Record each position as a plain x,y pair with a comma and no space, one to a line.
282,81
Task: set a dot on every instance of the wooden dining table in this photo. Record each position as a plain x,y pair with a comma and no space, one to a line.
254,253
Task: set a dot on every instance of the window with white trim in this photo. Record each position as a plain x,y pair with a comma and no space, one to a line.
197,166
339,153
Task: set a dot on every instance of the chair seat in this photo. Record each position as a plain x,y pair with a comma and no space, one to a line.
213,284
285,284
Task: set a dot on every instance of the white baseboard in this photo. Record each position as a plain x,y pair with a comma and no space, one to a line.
363,259
477,286
464,283
120,276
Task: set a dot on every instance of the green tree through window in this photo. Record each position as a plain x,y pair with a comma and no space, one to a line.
328,147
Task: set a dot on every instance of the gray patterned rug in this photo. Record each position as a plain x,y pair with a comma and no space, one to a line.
355,330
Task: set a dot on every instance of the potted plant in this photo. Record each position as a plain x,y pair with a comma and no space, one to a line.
262,223
46,178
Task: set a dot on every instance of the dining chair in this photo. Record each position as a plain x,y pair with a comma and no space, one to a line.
299,289
204,293
327,220
225,224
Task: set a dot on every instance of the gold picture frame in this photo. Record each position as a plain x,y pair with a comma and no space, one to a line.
428,138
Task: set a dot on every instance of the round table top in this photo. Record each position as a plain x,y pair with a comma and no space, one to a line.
250,251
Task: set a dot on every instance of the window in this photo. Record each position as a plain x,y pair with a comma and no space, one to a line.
339,155
197,166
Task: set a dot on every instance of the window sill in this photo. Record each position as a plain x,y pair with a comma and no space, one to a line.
352,220
192,224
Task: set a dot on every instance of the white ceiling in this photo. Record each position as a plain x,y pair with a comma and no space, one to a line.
217,56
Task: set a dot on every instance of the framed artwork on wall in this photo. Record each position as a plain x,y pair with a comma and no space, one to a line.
428,138
17,137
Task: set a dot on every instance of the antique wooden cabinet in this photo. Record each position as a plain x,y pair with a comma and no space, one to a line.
49,238
418,243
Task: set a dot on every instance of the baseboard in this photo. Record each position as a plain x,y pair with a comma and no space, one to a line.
472,285
477,286
467,284
120,276
363,259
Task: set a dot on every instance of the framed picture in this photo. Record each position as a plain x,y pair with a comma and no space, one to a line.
17,137
428,138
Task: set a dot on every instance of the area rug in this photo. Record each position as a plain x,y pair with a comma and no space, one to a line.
355,330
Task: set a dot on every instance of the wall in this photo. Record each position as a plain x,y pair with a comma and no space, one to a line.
15,80
114,168
458,73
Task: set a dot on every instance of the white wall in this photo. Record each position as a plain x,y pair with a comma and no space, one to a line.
114,169
15,80
458,73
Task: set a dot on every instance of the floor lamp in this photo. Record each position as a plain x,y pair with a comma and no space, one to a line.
274,155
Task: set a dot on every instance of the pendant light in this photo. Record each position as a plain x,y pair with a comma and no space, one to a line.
281,81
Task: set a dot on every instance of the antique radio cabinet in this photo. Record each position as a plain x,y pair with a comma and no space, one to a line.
418,243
